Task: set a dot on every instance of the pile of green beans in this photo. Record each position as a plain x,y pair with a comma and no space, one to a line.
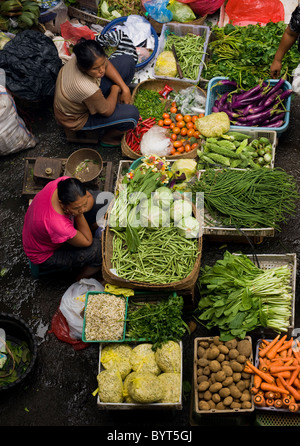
163,256
189,49
248,198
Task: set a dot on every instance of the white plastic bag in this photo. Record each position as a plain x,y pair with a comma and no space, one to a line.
73,302
191,101
296,80
156,142
14,135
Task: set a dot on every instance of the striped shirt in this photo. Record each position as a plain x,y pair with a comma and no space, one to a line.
117,38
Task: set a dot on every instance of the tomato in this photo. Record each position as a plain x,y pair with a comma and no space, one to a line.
194,118
174,136
190,125
196,134
187,118
180,149
176,153
165,115
194,146
161,123
173,150
180,124
201,115
179,117
187,147
190,132
177,144
176,130
183,131
173,109
167,121
172,125
173,104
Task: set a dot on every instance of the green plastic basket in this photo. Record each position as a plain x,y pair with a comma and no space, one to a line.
84,318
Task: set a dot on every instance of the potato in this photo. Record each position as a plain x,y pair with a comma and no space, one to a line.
212,352
215,387
235,405
241,385
220,406
231,344
236,366
202,362
228,400
203,405
244,347
203,386
200,371
212,404
200,351
228,381
204,344
246,375
224,392
220,376
246,405
206,370
236,377
214,366
216,398
223,349
233,353
216,340
234,391
220,358
241,359
227,370
245,396
212,378
202,378
207,395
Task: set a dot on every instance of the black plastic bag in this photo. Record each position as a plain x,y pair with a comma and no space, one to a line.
31,64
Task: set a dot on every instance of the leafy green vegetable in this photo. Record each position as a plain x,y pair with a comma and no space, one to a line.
245,53
18,360
236,296
149,104
159,322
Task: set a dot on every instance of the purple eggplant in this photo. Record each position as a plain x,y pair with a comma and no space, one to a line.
226,82
276,124
223,99
269,101
285,94
215,110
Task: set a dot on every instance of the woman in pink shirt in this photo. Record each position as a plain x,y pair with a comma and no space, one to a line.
58,228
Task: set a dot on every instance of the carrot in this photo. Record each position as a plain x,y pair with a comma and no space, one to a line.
257,381
269,402
287,400
283,368
293,407
270,395
254,390
294,375
264,376
272,388
259,400
271,353
247,370
268,347
297,382
286,345
278,403
291,389
283,354
263,365
286,374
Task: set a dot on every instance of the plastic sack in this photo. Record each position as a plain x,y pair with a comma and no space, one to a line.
73,302
60,328
156,142
165,64
31,63
296,80
254,11
190,101
203,7
73,33
137,28
181,12
157,9
14,135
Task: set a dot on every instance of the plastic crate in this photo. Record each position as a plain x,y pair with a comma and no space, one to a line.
181,30
139,406
88,294
268,261
255,134
213,91
215,412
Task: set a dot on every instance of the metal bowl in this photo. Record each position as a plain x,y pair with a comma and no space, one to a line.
18,331
84,164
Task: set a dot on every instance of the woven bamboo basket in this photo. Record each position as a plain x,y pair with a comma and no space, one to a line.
158,85
188,283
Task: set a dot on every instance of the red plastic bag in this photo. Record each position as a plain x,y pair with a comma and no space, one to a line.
243,12
60,327
203,7
72,34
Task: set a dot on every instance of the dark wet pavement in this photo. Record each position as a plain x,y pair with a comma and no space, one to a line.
59,390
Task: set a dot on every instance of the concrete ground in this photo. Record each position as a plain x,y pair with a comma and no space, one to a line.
59,390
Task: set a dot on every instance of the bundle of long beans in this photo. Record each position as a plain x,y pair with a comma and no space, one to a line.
248,198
